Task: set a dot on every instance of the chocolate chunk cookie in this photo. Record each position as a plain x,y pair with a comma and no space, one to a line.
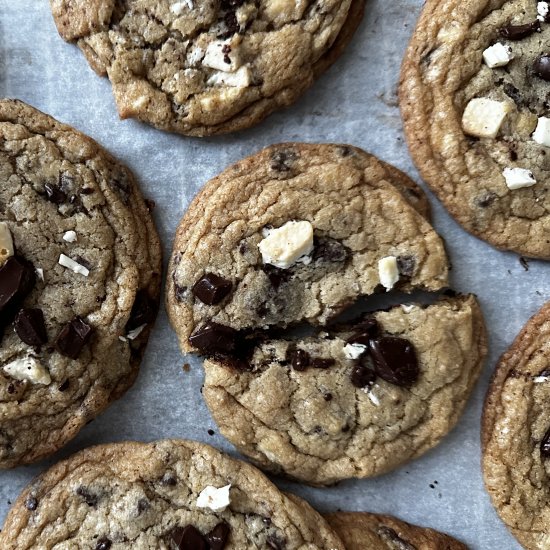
363,531
80,266
171,495
474,99
202,67
516,434
355,401
295,233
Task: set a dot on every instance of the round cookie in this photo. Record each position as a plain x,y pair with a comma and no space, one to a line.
516,434
220,284
473,99
207,67
167,494
364,531
79,282
353,401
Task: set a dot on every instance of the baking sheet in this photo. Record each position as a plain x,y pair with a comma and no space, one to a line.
355,102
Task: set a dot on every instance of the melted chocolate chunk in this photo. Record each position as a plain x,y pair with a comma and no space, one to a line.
188,538
330,250
394,360
541,66
30,327
217,538
143,311
517,32
55,194
389,535
103,544
545,445
366,331
361,376
89,498
73,337
276,275
299,359
17,279
211,289
213,337
31,503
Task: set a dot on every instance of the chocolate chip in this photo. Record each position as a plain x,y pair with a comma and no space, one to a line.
214,337
327,396
330,250
143,311
394,360
541,66
103,544
281,161
55,194
361,376
30,327
17,279
365,332
217,538
517,32
88,191
545,445
276,275
321,363
150,204
211,289
406,265
73,337
188,538
298,358
89,498
390,536
31,503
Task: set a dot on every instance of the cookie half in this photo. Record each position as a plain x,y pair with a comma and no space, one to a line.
231,272
474,83
79,282
168,494
364,531
516,434
353,402
207,67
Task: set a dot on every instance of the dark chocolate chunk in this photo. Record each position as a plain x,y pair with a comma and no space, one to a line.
188,538
30,326
390,536
321,363
541,66
143,311
394,360
365,332
276,275
55,194
31,503
217,538
213,337
298,358
330,250
211,289
103,544
545,445
406,265
17,279
517,32
89,498
73,337
361,376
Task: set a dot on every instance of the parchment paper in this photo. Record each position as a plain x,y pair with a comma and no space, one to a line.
355,102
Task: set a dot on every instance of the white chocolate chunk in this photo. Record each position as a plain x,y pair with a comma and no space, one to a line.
28,368
354,351
133,334
542,10
6,243
70,236
497,55
541,379
407,308
222,55
215,499
284,246
542,132
374,399
388,272
483,117
516,178
39,273
67,262
179,7
239,79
